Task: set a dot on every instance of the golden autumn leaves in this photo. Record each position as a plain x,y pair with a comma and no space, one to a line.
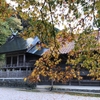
86,55
49,64
5,10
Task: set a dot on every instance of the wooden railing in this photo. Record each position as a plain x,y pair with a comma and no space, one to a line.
19,65
14,73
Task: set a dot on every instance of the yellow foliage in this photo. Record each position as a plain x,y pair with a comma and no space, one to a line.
25,79
49,62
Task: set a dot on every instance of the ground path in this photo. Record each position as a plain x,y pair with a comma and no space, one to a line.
18,94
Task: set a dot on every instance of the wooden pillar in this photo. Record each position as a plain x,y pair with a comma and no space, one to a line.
70,82
11,61
17,60
79,82
7,73
18,74
1,73
26,71
24,59
6,60
12,73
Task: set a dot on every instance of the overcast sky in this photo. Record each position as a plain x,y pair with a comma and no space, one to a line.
61,24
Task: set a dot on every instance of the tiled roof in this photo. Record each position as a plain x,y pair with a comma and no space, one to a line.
67,47
16,43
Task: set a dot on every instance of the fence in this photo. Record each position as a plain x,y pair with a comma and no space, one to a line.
14,73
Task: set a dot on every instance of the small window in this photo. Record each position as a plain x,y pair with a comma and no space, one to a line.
14,60
20,58
8,60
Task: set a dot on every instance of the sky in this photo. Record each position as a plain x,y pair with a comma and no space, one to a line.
61,25
12,3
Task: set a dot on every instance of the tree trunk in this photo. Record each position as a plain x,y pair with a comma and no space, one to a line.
51,85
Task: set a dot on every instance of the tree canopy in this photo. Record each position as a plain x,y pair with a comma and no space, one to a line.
6,28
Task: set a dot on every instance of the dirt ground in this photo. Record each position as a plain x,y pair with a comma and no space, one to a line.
22,94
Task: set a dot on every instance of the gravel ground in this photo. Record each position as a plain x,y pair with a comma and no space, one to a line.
17,94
